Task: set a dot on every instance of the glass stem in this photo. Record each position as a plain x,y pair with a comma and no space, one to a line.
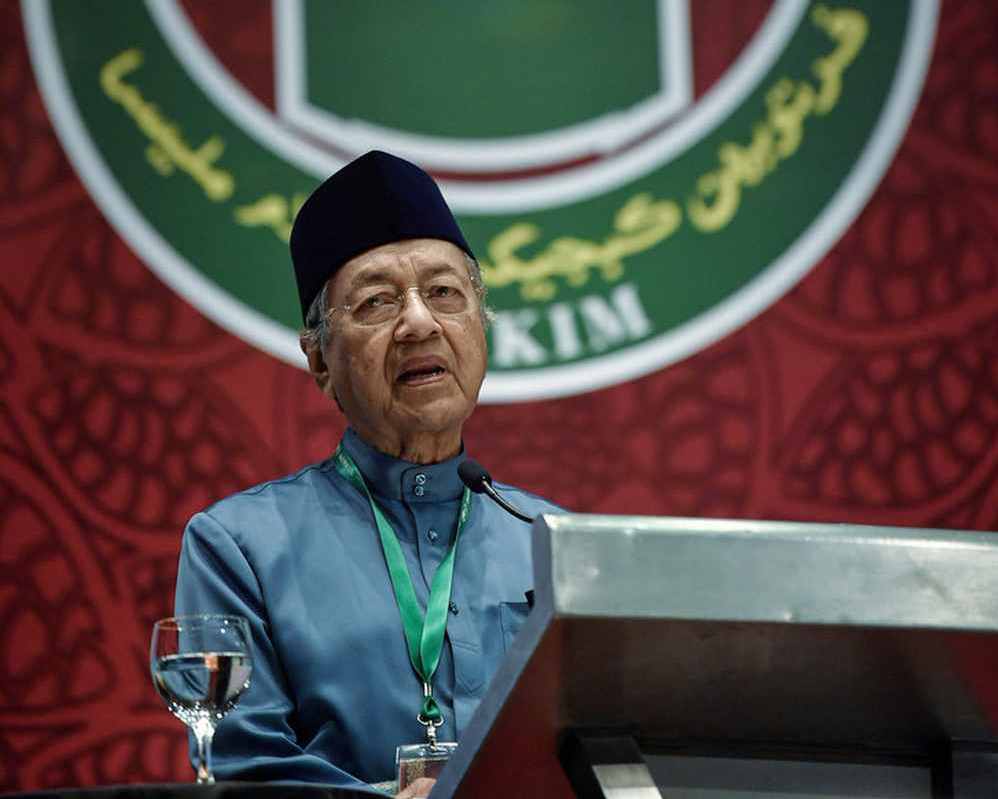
204,731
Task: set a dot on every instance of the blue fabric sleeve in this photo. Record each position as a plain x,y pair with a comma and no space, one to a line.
256,740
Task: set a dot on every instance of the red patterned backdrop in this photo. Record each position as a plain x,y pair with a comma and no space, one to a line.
868,394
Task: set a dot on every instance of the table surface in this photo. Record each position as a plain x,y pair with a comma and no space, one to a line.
220,790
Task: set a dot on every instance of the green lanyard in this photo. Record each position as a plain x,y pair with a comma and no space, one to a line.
424,635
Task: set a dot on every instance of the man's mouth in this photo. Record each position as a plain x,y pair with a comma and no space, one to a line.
418,373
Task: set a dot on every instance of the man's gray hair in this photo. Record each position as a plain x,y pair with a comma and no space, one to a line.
315,334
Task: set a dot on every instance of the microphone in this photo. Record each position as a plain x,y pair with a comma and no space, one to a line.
474,476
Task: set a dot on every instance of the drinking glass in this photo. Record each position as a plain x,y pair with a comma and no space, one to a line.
200,666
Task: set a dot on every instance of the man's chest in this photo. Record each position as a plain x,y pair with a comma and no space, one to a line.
330,604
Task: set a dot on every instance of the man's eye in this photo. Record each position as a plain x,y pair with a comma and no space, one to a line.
375,301
442,291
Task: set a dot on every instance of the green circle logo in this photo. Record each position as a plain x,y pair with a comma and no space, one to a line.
622,223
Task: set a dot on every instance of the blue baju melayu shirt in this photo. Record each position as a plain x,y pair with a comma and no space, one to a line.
333,692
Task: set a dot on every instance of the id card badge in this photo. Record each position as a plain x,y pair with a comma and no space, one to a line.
422,760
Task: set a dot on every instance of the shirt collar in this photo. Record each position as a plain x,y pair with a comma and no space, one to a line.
403,480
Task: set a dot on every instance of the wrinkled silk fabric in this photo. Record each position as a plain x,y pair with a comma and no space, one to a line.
332,691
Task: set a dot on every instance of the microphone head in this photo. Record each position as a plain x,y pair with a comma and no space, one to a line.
473,475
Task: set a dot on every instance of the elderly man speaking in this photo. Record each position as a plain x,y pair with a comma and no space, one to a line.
381,594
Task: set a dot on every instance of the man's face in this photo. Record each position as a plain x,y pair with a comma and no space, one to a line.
420,372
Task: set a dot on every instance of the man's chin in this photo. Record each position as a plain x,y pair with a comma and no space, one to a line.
437,412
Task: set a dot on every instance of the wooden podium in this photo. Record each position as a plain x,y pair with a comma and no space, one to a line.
666,657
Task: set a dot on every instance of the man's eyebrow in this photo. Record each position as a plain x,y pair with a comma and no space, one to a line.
372,275
377,274
443,269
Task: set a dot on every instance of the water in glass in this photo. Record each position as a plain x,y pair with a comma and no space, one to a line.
200,666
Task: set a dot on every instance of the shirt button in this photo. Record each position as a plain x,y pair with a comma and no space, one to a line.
419,491
452,607
432,535
420,479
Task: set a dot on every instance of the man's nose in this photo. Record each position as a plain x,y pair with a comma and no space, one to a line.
416,320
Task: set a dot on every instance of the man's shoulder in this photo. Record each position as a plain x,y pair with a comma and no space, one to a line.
271,497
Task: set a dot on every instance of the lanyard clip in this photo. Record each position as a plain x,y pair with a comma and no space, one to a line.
431,729
427,720
431,734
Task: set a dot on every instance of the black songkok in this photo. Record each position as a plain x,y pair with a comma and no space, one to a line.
374,200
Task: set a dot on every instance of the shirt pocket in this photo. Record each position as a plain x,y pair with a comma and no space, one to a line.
511,618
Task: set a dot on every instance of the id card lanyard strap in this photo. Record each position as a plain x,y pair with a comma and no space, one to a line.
424,633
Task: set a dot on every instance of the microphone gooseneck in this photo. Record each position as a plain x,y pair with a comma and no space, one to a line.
474,475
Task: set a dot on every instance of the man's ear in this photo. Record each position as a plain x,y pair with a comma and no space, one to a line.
319,370
316,364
